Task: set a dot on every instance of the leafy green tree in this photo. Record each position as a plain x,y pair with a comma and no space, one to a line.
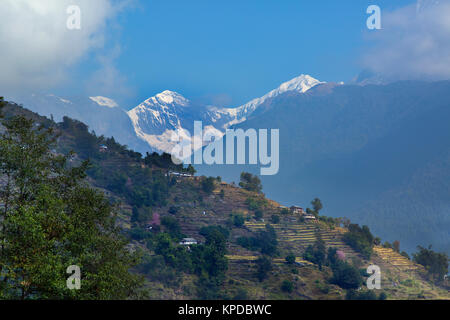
250,182
51,219
259,214
238,220
436,263
346,276
317,205
263,267
317,253
275,219
267,241
206,231
360,239
172,227
208,185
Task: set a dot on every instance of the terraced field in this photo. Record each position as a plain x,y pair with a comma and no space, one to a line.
394,259
237,258
297,237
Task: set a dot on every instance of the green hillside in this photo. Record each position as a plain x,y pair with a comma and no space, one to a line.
249,246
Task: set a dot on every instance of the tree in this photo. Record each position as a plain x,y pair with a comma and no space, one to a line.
250,182
290,259
238,220
172,227
316,254
436,263
267,241
396,246
51,219
346,276
208,185
317,205
259,214
190,169
263,267
360,239
275,219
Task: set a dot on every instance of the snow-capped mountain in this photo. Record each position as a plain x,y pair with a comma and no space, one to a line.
159,120
299,84
103,115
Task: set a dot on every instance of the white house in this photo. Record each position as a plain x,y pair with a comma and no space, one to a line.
188,241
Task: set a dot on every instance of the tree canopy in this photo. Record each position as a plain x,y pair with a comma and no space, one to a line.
51,219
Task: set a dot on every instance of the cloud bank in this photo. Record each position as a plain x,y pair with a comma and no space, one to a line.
37,48
413,43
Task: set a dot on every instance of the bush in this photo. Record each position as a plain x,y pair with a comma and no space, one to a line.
207,231
287,286
290,259
382,296
238,220
346,276
258,214
275,219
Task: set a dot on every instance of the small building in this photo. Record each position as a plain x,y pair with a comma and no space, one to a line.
309,217
298,210
188,242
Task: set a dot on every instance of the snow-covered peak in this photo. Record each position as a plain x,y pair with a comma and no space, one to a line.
170,97
299,84
105,102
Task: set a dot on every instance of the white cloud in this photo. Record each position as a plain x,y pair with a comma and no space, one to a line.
37,48
414,42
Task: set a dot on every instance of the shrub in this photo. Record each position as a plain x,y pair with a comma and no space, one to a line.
290,259
287,286
346,276
275,219
238,220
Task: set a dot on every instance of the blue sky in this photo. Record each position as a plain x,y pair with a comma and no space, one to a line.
222,52
239,50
